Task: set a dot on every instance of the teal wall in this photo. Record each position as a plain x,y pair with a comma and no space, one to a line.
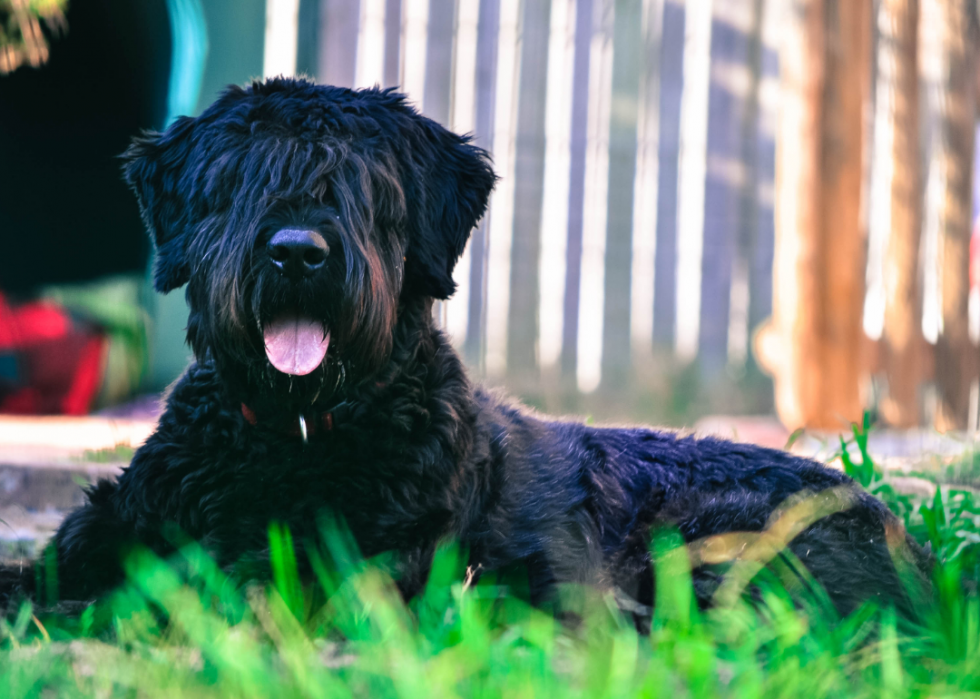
235,43
236,34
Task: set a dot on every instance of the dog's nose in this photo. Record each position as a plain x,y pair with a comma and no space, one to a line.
298,253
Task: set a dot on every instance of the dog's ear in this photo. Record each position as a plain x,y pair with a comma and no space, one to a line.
452,183
154,169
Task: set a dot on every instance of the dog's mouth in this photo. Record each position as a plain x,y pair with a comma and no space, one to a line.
295,344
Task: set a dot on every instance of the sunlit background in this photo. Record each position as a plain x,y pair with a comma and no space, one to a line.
705,207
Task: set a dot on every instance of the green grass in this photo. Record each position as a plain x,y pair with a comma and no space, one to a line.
182,628
121,452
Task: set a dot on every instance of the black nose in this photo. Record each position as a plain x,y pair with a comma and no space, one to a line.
298,253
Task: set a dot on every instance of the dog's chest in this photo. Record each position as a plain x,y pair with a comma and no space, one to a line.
390,490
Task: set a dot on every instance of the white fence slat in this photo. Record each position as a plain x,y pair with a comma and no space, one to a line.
578,141
623,125
554,206
281,35
592,291
488,30
370,44
691,175
522,316
671,90
502,204
645,191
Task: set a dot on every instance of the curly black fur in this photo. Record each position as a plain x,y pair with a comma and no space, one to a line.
416,454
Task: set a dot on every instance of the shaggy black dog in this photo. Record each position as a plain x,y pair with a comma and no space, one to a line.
314,226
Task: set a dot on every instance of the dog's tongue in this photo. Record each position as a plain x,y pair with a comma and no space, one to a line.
295,344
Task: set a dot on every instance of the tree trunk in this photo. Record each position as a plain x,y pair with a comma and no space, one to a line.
901,347
813,343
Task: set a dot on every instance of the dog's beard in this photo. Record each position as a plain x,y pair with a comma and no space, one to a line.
301,353
301,365
269,389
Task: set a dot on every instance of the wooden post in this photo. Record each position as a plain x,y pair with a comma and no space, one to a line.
953,156
812,345
901,347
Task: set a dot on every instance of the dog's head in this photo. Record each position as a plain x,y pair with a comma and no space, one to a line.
301,217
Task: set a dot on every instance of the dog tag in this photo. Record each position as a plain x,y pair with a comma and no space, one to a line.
302,429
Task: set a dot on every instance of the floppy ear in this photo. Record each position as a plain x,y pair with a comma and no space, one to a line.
154,169
452,183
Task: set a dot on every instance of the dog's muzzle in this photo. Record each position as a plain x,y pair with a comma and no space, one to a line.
296,344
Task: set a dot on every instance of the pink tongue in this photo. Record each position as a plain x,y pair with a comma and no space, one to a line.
294,344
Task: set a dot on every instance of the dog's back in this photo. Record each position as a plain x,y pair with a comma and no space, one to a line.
592,496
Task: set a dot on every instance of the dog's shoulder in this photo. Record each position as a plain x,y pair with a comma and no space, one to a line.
198,417
198,399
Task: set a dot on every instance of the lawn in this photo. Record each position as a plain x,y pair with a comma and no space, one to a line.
182,628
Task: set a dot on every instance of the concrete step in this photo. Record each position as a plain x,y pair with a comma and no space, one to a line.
45,464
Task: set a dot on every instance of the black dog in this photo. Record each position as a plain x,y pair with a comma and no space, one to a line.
313,227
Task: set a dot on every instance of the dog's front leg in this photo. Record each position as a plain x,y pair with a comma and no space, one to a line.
81,562
85,558
412,570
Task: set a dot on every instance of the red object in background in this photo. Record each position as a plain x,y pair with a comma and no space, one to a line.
50,362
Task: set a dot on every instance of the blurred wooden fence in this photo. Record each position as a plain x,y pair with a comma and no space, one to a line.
634,222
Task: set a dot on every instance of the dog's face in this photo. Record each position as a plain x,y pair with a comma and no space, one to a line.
301,218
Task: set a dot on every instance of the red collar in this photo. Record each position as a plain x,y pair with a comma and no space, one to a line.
322,422
306,426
